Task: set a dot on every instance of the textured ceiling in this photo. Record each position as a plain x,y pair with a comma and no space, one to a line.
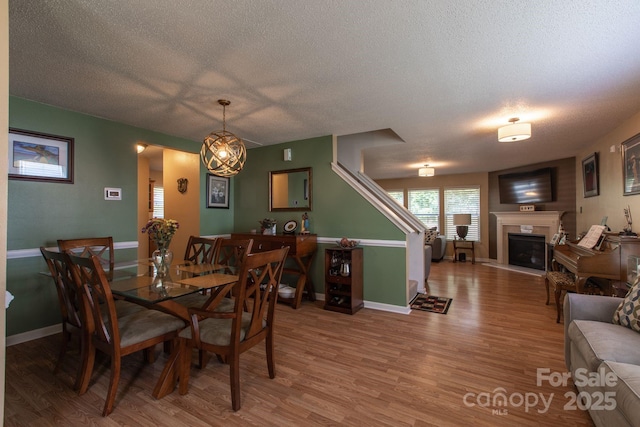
443,75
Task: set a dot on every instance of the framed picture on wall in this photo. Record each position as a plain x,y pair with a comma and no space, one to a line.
35,156
217,192
631,165
590,175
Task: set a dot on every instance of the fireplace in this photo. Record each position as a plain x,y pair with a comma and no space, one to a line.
527,250
544,223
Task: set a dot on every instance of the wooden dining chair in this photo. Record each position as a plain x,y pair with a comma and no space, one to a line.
231,252
113,335
231,333
200,250
69,306
101,247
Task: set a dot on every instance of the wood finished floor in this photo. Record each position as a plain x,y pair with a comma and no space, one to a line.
373,368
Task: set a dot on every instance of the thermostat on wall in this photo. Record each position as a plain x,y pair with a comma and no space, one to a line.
527,208
112,193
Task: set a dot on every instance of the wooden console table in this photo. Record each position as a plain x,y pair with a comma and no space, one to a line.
302,247
468,245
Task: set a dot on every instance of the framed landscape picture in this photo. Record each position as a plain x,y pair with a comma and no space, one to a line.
631,165
217,192
38,156
590,175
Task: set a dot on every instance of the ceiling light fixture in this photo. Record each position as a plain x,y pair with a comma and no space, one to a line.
426,171
141,147
515,131
222,152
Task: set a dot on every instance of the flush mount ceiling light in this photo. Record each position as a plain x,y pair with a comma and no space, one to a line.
426,171
222,152
515,131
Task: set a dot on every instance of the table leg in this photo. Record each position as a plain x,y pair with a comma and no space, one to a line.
299,288
169,376
304,280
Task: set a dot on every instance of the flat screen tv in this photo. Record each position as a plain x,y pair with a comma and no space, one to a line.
526,187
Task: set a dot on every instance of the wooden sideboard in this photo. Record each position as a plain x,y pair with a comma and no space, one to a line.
302,248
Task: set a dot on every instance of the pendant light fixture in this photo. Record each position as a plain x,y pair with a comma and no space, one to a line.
426,171
222,152
515,131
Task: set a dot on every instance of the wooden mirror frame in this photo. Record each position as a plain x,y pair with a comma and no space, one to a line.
307,188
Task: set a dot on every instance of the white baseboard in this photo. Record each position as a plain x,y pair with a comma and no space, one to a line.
387,307
34,335
378,306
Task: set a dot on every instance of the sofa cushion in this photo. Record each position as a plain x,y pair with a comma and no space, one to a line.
628,312
598,341
430,235
626,388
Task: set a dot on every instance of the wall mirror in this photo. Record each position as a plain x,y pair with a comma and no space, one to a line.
290,190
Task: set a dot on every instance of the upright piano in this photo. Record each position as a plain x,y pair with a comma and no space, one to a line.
608,263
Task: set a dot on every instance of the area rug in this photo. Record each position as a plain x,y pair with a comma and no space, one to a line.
431,303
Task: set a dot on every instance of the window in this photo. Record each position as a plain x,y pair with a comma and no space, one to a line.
462,201
158,202
425,204
397,195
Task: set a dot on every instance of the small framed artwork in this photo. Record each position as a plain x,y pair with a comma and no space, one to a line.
631,165
38,156
590,175
217,191
555,238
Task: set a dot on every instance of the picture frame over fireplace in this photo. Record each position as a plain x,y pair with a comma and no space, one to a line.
590,176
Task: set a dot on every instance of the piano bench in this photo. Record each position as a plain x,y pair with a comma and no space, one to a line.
560,281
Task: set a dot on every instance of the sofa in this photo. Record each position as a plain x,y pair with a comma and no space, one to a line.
603,359
438,247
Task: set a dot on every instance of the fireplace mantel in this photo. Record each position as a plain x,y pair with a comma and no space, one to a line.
543,222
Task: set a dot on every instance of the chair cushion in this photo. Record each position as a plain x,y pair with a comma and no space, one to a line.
218,331
598,341
197,300
628,312
146,324
561,279
125,308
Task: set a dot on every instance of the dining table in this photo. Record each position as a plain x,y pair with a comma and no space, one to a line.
141,285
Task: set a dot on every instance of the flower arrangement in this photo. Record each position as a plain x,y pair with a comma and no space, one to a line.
161,231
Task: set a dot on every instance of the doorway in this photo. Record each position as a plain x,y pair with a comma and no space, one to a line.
159,194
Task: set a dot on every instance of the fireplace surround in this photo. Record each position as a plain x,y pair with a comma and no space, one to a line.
537,222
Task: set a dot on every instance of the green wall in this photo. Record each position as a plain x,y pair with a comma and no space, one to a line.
39,213
337,211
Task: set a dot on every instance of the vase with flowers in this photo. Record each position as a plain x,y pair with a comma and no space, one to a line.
161,231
